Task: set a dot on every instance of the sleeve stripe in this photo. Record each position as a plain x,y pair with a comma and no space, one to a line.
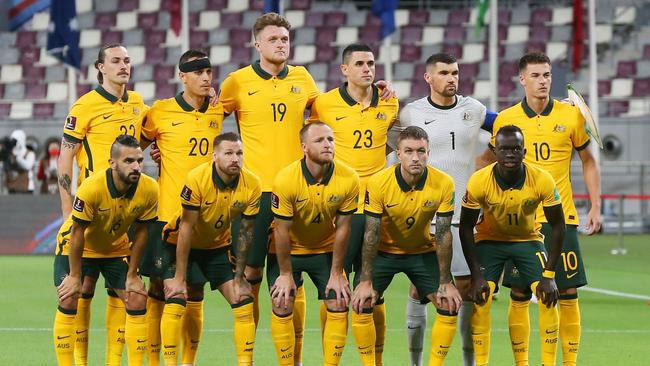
445,214
244,216
583,146
153,219
553,205
71,138
80,221
350,212
190,207
373,214
288,218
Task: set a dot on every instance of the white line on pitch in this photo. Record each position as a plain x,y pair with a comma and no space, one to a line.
615,293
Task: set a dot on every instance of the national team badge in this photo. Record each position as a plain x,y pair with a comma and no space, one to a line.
213,124
70,123
136,111
334,199
428,204
78,204
295,90
382,116
186,193
467,116
559,128
238,205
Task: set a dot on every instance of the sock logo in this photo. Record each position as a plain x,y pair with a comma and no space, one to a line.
284,349
339,347
81,331
249,343
517,343
62,337
551,331
573,343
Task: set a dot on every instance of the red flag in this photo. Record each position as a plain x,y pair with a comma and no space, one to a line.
578,34
175,12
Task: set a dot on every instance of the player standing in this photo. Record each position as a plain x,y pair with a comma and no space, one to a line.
510,193
92,125
93,240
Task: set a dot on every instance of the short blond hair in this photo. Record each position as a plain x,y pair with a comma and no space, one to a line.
270,19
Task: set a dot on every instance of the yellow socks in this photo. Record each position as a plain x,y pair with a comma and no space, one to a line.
81,326
481,329
154,313
115,322
191,331
323,317
255,287
299,312
136,336
363,329
64,336
549,322
519,326
379,316
244,332
334,337
442,334
283,338
170,330
569,329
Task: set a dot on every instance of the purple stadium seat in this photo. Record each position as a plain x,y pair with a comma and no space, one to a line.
617,107
646,52
626,69
147,21
380,73
641,88
410,53
155,55
199,39
29,56
325,35
110,37
5,109
419,88
334,73
240,36
468,71
331,84
541,15
604,87
504,16
325,53
155,38
418,17
370,35
162,73
216,4
194,18
104,20
314,19
165,90
256,5
371,19
466,87
43,110
240,54
127,5
540,33
411,34
300,5
230,20
508,69
502,31
35,91
419,70
83,89
536,47
33,73
506,87
335,19
458,17
454,49
2,90
24,38
454,34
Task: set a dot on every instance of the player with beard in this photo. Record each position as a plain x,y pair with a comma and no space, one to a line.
93,241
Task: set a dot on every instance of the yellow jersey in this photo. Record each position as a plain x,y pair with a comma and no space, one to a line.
95,120
270,112
509,210
550,139
313,206
108,215
406,211
360,133
218,204
184,136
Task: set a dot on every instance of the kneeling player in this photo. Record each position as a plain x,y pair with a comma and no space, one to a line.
93,240
313,200
509,193
399,205
198,241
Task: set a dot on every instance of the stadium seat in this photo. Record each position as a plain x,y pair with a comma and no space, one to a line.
15,91
220,54
83,89
83,6
40,21
35,91
562,16
540,33
535,47
473,52
617,107
155,38
418,17
468,71
604,87
636,108
43,110
209,19
230,20
29,55
466,87
411,34
147,21
506,87
402,89
199,39
557,50
296,18
433,35
306,35
57,91
517,34
259,5
299,5
163,73
127,5
7,39
403,70
455,34
90,38
216,4
621,88
314,19
346,35
438,17
150,6
155,55
482,90
241,55
5,109
55,73
237,5
646,52
604,33
147,89
380,72
126,20
325,53
334,19
410,53
626,69
541,16
11,74
370,35
458,17
33,73
110,37
641,88
624,14
334,73
561,33
137,54
508,70
240,36
318,70
144,72
453,49
24,38
45,59
21,110
304,54
165,90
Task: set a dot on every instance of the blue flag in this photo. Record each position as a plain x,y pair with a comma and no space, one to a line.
63,33
272,6
21,11
385,10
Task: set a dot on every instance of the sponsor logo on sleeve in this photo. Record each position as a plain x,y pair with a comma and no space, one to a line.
465,197
78,204
556,194
367,199
70,123
186,193
275,200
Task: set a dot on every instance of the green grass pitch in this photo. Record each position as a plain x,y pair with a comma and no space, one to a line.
616,330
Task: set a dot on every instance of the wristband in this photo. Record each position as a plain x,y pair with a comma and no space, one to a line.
548,274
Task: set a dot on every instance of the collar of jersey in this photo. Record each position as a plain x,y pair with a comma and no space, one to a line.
502,183
405,187
343,90
113,190
265,75
443,107
531,113
188,108
220,183
110,97
310,179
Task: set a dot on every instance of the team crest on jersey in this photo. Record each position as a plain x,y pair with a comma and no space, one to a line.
214,124
275,200
334,199
78,204
530,202
136,111
295,89
467,116
382,116
429,204
559,128
239,205
186,193
70,123
137,208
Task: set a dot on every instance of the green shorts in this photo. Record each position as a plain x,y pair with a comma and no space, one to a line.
569,271
355,242
216,266
421,269
113,270
261,233
528,256
317,266
150,263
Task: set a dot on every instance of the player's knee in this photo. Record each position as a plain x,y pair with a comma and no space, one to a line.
88,285
70,303
413,292
195,292
518,294
156,289
569,293
253,274
464,285
281,311
334,307
87,296
135,304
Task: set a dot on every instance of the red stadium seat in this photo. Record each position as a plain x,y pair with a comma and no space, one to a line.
418,18
33,73
105,20
325,35
458,17
111,37
155,38
504,16
25,38
256,5
216,4
410,53
536,47
335,19
506,87
411,34
199,39
300,5
2,90
231,20
240,36
454,34
453,49
314,19
466,87
468,71
147,21
641,88
626,69
540,33
617,107
370,35
380,72
35,91
325,53
240,55
419,70
155,55
165,90
604,87
331,84
5,109
127,5
541,16
508,69
43,110
419,88
334,72
646,52
163,73
29,55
